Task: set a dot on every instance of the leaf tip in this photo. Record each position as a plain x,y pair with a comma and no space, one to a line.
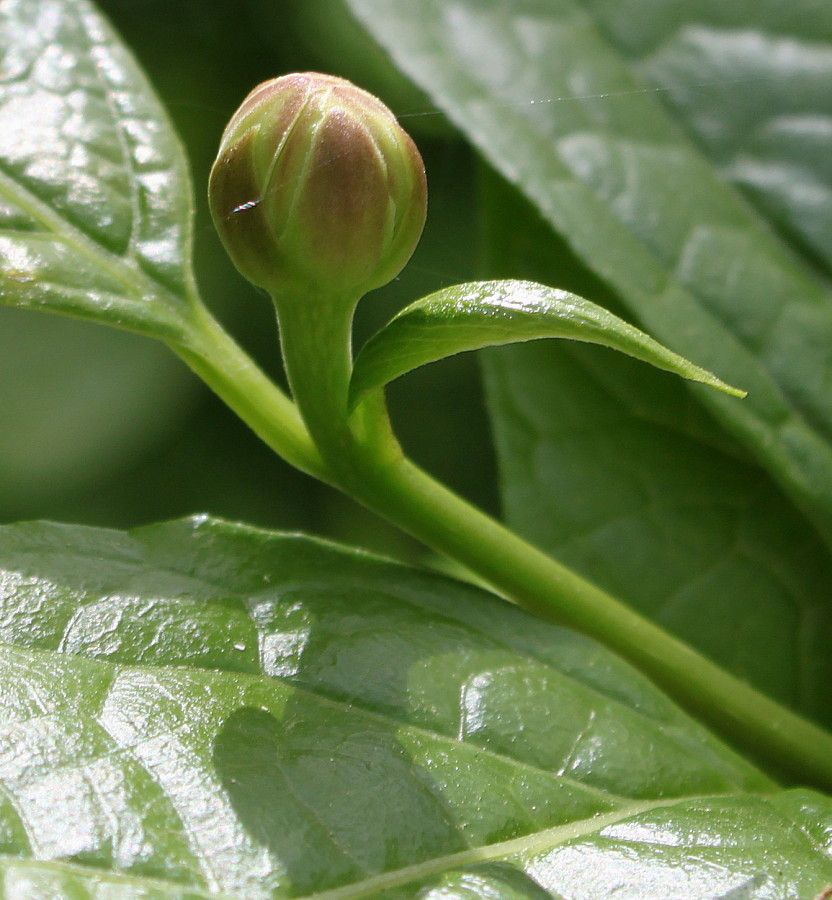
714,382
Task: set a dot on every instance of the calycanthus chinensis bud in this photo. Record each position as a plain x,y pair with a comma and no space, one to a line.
317,188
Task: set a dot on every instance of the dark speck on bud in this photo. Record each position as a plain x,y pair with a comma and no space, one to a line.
317,188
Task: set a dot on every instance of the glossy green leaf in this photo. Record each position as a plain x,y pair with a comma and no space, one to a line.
202,708
34,880
555,107
484,314
618,472
750,82
95,199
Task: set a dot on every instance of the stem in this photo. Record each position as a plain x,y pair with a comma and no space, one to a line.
232,375
316,341
409,498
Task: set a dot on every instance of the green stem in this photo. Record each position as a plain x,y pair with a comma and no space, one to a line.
412,500
232,375
316,342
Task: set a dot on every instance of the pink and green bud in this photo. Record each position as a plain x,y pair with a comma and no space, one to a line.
317,188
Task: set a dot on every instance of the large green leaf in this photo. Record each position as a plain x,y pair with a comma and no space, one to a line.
206,708
619,473
95,197
489,313
750,81
557,109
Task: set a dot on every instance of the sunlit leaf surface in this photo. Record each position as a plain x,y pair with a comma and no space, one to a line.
95,200
206,708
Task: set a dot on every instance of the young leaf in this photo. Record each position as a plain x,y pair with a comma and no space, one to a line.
554,107
95,199
220,710
483,314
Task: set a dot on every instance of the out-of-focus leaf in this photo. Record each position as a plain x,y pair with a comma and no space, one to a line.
620,474
79,403
95,200
206,708
328,35
488,313
750,81
557,109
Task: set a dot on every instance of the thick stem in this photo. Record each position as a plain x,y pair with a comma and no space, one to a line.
232,375
316,341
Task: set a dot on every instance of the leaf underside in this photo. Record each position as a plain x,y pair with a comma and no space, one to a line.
201,708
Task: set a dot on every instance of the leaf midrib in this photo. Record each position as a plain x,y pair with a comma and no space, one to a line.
538,841
68,233
546,839
137,283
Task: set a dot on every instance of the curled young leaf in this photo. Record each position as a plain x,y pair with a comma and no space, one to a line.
488,313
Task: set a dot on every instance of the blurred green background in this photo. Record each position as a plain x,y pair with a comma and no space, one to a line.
105,428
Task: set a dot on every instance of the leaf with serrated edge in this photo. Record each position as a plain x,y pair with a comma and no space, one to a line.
554,107
201,708
484,314
95,197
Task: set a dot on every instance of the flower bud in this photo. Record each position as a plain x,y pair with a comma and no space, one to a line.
317,188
